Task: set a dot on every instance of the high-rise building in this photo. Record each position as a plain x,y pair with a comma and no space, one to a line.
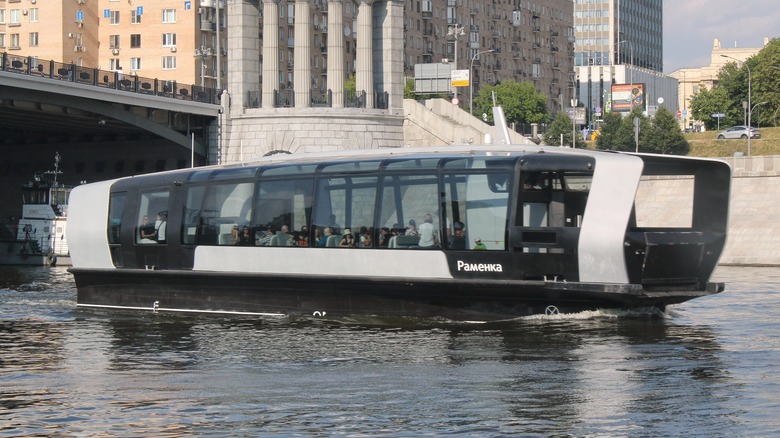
619,32
619,58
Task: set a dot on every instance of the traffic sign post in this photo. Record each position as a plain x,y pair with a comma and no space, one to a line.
718,116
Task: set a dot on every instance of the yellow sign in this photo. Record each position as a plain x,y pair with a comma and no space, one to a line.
459,78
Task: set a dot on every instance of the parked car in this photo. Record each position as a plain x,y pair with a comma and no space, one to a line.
739,131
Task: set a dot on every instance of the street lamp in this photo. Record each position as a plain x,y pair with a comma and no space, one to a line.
750,109
204,53
574,103
456,32
631,48
471,84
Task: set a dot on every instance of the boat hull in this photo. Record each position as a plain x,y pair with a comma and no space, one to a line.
21,253
332,296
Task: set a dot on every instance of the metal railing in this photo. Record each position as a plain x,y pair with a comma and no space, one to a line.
115,80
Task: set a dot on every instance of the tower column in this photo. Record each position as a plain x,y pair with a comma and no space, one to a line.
336,52
364,78
302,55
270,51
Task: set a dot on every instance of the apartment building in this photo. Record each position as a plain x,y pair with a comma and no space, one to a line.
180,39
495,40
166,39
64,31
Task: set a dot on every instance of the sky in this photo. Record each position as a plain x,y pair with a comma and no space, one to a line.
691,26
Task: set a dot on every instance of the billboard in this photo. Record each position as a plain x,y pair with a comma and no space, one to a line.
433,78
628,96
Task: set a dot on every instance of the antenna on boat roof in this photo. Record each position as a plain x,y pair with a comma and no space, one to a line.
56,170
499,121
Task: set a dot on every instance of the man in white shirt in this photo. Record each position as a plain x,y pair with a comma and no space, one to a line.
427,232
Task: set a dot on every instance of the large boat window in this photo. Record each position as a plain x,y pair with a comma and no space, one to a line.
476,212
352,166
345,204
407,203
428,164
288,170
152,217
225,207
554,198
282,212
191,214
116,208
655,194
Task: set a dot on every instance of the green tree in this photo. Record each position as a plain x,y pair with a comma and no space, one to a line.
617,132
607,139
520,101
766,84
350,85
664,136
409,89
561,125
706,102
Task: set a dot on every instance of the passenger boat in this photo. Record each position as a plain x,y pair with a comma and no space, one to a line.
39,237
475,233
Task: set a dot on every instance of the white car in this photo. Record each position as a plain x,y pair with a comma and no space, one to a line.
739,131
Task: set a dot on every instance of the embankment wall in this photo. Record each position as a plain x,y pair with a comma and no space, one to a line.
754,215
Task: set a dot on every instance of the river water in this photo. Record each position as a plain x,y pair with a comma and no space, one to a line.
709,367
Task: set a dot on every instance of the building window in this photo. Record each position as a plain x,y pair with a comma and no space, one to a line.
33,39
135,40
168,62
15,41
168,39
15,16
2,40
135,64
135,18
2,16
114,17
113,41
169,15
113,64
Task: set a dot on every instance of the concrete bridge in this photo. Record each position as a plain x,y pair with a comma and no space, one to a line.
47,101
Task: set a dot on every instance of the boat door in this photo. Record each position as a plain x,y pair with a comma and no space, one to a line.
552,196
150,233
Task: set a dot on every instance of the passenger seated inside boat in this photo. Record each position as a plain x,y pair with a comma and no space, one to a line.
535,181
458,238
283,237
245,239
302,237
146,231
411,230
348,240
326,234
366,240
265,237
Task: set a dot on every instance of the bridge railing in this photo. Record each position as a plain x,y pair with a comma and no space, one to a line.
58,71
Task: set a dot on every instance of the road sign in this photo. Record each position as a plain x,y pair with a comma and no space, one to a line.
718,115
455,101
679,113
460,78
